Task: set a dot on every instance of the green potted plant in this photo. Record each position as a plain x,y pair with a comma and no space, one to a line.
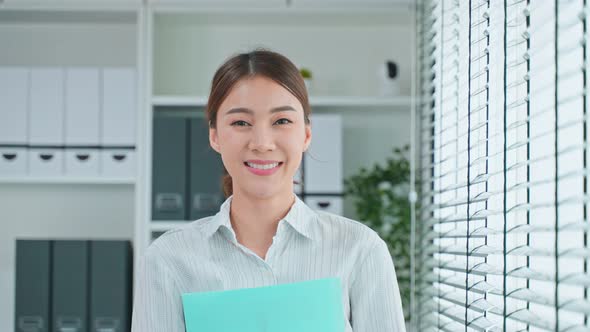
380,196
307,76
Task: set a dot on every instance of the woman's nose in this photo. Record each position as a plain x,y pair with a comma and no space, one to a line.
261,140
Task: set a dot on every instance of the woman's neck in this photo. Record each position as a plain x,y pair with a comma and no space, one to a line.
255,221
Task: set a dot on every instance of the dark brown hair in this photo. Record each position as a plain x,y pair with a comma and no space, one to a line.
259,62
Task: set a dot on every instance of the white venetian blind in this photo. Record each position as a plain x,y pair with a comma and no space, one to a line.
502,210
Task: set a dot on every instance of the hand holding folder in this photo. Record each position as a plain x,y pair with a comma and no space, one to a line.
310,306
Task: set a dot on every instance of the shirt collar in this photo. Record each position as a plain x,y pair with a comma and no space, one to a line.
300,217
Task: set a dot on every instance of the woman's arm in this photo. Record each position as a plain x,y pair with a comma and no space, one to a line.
157,305
375,301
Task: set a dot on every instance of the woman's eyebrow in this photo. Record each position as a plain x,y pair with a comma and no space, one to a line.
249,111
282,108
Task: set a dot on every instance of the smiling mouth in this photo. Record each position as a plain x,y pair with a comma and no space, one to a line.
263,167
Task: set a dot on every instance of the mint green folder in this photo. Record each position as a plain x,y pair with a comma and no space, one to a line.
309,306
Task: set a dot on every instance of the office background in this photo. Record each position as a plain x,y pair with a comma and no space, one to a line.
172,49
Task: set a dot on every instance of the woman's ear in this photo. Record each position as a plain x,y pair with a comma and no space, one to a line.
214,139
307,140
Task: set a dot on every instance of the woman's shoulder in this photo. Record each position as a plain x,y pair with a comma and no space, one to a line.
340,227
178,236
351,237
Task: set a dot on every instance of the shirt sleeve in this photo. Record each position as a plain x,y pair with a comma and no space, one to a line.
157,306
375,301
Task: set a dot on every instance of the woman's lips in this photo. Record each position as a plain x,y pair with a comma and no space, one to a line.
263,172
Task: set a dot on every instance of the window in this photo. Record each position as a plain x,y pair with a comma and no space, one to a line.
502,219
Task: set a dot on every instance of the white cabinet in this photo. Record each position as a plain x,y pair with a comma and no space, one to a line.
13,161
14,94
118,163
46,162
82,106
47,107
322,170
118,107
82,162
322,164
329,204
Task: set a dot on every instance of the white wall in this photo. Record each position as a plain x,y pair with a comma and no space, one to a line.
67,45
344,57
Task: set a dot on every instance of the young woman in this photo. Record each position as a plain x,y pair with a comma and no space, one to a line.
259,122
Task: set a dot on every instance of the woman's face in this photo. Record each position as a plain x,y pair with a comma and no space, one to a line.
261,135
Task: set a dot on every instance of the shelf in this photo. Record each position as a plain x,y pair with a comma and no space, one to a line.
166,225
63,180
315,101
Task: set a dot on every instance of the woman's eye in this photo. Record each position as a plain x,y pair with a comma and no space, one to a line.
283,121
239,123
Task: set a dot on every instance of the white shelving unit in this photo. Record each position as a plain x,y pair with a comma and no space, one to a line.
176,46
65,34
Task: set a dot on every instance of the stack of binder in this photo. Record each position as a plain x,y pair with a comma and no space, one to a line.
73,285
186,180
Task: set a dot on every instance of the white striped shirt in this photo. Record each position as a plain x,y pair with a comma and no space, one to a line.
205,256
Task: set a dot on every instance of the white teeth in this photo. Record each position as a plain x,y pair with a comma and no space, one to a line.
268,166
